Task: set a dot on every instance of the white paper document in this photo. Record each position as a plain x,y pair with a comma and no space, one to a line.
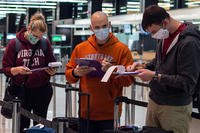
120,71
55,64
51,64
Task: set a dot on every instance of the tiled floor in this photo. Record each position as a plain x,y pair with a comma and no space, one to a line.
57,107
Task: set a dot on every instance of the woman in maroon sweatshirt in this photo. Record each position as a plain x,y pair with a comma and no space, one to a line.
17,64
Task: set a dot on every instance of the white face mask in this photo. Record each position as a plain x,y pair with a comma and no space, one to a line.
161,34
102,34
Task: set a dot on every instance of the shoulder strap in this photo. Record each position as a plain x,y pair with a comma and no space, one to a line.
17,45
17,48
43,45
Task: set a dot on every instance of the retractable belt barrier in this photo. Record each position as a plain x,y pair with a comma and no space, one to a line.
130,101
19,110
68,87
27,114
140,103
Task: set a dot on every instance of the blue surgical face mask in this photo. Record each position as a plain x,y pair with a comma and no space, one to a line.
32,39
102,34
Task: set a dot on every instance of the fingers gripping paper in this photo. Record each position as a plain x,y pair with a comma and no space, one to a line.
108,73
51,64
120,70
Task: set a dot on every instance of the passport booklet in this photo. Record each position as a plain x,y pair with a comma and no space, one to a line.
91,63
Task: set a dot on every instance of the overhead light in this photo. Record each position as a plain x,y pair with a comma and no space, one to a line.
133,9
53,7
192,3
71,1
133,3
2,16
196,22
165,5
131,6
107,5
27,6
12,11
72,26
28,3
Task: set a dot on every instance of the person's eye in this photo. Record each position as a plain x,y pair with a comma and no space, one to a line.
96,28
105,26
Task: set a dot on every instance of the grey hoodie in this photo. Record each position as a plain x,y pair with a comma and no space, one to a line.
180,70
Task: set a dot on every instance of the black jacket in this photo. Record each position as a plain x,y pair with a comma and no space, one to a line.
180,70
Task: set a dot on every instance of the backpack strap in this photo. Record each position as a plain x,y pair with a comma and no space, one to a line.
42,41
17,45
43,44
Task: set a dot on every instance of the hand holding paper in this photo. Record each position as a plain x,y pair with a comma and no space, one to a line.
50,65
106,64
120,70
96,65
55,64
83,70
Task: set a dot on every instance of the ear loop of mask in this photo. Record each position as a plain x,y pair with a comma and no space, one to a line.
163,25
32,26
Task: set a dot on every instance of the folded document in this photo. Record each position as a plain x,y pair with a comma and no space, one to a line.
120,71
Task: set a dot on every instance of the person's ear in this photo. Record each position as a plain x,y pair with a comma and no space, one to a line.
91,28
28,28
165,22
109,24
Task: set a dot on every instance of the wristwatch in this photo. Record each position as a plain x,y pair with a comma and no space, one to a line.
155,77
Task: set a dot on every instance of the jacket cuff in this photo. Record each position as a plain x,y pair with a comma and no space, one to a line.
75,76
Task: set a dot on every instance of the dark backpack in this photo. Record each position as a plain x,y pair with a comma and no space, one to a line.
196,96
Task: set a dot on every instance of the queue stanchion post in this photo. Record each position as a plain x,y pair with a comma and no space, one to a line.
68,103
62,124
116,117
16,115
54,97
133,96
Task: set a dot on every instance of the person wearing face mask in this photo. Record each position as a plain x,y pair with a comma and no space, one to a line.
174,73
106,48
17,65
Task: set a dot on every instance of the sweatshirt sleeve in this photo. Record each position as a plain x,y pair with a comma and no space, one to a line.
70,67
188,68
151,65
125,60
9,58
49,53
49,57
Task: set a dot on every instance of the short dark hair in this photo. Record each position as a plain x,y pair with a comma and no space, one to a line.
153,14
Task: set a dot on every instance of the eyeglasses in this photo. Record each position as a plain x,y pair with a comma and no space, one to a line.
97,27
37,34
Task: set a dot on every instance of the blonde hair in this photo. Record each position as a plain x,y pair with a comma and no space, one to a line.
37,21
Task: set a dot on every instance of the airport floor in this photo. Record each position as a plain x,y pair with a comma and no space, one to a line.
57,106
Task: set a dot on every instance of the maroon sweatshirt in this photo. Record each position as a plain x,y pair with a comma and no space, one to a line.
42,57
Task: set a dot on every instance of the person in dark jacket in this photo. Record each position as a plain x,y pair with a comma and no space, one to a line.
17,65
174,73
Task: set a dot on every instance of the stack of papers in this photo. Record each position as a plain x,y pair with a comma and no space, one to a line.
98,69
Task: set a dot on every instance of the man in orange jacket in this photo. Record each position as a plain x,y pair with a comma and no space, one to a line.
106,48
